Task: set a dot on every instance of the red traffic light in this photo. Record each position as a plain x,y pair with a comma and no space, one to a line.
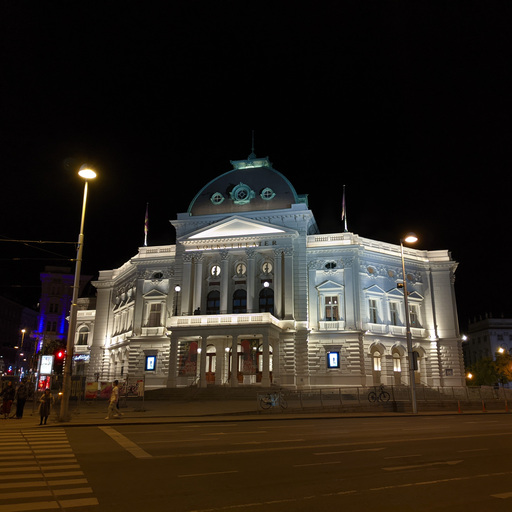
60,354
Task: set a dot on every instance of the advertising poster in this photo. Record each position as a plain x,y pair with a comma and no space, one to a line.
91,390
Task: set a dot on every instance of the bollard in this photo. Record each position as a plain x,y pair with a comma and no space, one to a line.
458,405
483,407
506,405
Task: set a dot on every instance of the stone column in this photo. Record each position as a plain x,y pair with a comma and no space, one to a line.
265,375
198,282
224,282
251,299
234,362
288,284
173,362
202,362
186,289
278,283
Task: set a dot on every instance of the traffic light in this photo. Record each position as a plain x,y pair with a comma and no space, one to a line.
60,355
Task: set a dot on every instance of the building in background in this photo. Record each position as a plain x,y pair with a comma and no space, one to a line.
17,325
54,306
485,337
253,294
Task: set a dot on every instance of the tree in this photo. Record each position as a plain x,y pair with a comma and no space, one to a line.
484,373
503,366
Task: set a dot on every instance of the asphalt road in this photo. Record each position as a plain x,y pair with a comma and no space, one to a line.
455,463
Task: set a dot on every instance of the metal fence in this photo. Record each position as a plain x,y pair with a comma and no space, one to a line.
399,397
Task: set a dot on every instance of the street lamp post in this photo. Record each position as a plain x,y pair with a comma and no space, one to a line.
87,174
410,238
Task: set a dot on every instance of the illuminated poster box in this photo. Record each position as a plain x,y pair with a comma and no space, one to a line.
150,363
333,360
46,365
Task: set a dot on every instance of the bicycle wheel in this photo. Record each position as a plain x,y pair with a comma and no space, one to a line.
265,403
384,396
283,403
372,397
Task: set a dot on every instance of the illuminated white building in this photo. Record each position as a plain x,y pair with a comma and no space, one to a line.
251,276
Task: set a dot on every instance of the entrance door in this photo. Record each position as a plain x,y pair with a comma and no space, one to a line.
211,361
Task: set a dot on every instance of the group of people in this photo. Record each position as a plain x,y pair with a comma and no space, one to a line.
10,394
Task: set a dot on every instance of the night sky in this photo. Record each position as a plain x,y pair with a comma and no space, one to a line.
408,106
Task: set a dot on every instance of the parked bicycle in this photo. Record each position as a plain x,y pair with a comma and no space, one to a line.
380,395
273,400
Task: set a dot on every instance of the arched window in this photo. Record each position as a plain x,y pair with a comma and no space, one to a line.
240,301
267,301
83,335
213,303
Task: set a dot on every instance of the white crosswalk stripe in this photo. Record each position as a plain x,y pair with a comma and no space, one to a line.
39,471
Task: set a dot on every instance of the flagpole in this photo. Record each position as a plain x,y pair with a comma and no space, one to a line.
344,211
146,222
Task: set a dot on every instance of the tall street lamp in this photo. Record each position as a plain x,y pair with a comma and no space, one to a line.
410,239
87,174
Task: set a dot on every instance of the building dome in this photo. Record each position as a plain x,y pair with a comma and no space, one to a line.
252,185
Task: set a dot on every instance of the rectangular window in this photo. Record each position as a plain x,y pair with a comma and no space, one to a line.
154,315
395,317
415,322
331,309
377,362
373,311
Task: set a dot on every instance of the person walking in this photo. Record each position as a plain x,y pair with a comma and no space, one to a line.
8,397
112,405
21,398
45,406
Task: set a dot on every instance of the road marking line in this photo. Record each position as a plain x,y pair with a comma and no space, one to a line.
125,443
351,451
428,464
503,495
25,507
316,464
208,474
443,481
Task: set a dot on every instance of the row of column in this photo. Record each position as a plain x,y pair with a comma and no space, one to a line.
203,343
282,282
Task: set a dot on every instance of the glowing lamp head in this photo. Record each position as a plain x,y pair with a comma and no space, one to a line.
86,172
410,238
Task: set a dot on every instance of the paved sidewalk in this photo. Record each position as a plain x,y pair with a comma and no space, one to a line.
153,411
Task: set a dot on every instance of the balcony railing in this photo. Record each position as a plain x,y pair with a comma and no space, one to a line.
233,319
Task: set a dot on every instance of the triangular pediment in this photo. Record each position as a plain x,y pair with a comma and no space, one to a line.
155,294
375,289
329,286
394,292
235,227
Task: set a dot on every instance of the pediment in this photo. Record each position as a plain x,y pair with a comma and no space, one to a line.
155,294
375,289
237,227
329,286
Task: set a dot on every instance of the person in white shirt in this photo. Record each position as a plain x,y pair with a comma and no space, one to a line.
112,406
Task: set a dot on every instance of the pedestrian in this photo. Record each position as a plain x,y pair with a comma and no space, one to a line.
45,405
112,405
21,398
8,397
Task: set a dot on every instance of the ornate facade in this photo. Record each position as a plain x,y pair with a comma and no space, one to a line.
253,294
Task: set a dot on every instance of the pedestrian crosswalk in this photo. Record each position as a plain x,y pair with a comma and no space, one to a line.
39,471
